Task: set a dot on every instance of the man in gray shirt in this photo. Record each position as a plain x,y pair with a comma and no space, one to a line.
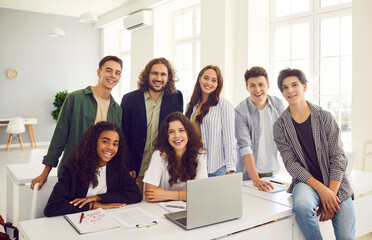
254,120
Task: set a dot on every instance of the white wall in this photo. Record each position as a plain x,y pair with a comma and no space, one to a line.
45,65
362,83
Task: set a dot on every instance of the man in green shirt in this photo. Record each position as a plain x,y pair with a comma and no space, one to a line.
80,110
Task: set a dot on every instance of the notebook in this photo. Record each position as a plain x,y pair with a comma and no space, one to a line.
92,221
279,185
209,201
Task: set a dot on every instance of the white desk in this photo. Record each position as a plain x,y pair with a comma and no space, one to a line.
361,182
256,211
29,122
19,177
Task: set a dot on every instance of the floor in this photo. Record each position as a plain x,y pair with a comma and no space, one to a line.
17,155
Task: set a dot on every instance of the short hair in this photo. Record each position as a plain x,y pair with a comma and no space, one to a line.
143,79
255,72
291,72
110,58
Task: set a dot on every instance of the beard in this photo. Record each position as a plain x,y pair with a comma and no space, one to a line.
156,90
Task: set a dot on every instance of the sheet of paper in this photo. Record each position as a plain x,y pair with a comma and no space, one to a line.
135,217
276,183
173,206
92,221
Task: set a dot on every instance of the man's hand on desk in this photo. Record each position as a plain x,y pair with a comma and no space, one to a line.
42,178
262,185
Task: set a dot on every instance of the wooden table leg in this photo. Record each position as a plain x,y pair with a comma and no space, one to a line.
30,132
33,134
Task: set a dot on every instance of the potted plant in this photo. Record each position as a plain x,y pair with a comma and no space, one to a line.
58,102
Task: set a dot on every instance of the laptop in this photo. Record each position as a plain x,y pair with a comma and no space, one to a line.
210,200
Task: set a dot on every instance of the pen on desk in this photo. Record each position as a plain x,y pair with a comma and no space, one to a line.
146,224
81,217
276,182
175,206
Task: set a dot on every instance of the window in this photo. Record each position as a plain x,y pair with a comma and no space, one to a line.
125,56
316,37
186,48
117,41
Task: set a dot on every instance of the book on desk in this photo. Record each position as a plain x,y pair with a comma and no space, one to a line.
91,221
278,185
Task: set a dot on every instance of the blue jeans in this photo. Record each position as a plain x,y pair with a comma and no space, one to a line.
305,202
219,172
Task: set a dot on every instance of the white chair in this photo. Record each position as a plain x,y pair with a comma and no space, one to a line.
15,126
39,199
367,152
37,154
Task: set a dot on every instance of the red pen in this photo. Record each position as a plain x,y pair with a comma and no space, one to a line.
81,217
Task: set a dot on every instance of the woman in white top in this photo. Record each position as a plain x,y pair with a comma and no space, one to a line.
214,118
178,157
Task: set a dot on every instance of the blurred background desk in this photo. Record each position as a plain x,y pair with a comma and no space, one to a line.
29,122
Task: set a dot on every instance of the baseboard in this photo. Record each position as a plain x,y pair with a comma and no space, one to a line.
17,145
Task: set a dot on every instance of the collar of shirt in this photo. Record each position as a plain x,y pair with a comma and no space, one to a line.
253,107
147,95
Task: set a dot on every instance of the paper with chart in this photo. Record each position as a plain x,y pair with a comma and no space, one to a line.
173,206
278,184
135,217
91,221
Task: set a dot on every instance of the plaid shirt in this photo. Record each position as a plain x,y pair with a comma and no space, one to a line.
328,145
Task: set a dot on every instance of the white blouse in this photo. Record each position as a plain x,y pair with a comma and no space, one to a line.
157,173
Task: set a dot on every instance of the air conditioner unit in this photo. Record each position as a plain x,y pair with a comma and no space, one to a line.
138,20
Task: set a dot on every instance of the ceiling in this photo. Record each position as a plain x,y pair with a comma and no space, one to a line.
73,8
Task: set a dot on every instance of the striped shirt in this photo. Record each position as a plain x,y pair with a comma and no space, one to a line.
218,136
328,146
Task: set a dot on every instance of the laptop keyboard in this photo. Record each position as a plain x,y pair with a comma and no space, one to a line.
181,220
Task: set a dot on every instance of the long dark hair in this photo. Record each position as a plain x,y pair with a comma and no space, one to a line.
86,157
185,169
213,98
143,79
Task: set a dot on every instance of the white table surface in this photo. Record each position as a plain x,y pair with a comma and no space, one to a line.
361,182
255,211
23,173
26,121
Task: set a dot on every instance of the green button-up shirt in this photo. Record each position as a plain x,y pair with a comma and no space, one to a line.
78,113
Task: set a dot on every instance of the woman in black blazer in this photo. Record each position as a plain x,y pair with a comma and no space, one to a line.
95,176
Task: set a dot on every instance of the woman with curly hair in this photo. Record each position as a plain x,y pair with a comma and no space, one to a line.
214,118
95,175
178,157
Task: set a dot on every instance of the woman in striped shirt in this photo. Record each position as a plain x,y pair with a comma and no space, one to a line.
213,118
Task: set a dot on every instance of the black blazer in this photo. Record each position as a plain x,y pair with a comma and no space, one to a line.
121,188
135,122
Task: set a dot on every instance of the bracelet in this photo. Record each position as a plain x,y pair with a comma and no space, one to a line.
92,205
179,196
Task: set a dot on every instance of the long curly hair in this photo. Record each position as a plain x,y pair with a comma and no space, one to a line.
185,168
85,155
143,79
213,98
